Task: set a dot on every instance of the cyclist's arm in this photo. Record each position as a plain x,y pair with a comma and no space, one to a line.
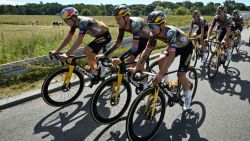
202,33
191,29
227,34
146,52
76,44
133,49
65,41
168,61
211,28
117,43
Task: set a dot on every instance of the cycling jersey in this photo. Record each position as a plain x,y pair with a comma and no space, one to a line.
173,36
178,42
137,27
238,23
200,23
140,31
90,26
222,24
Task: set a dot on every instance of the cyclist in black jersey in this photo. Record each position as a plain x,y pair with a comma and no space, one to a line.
238,25
177,43
224,28
202,30
86,25
134,25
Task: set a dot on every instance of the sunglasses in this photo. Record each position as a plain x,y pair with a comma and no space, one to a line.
153,26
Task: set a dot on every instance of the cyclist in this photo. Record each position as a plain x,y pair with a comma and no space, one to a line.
224,33
238,25
133,25
202,29
86,25
177,43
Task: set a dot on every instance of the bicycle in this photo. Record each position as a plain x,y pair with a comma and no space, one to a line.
114,92
237,41
64,85
148,109
216,59
198,53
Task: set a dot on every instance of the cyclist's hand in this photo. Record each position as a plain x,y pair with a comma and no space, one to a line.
116,61
224,42
63,57
157,78
52,53
206,40
100,56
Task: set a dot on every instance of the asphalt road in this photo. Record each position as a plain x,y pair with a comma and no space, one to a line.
220,111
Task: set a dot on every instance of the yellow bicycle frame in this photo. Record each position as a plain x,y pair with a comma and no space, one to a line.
68,75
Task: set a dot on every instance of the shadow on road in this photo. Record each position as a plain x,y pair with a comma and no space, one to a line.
73,122
231,83
185,125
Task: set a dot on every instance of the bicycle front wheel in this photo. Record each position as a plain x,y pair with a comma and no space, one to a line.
140,125
213,66
105,107
56,93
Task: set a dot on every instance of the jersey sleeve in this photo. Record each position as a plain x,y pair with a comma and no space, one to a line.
214,21
171,36
72,30
202,22
229,21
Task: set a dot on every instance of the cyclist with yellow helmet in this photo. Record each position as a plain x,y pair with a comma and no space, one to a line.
202,30
224,34
86,25
133,25
177,43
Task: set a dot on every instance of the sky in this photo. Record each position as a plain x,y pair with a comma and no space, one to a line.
114,2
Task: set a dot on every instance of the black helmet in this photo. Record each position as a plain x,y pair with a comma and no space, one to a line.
220,9
156,17
236,13
196,13
122,10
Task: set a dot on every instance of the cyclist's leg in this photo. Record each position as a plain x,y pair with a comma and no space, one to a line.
93,48
185,56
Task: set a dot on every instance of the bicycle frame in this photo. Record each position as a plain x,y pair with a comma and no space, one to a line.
159,87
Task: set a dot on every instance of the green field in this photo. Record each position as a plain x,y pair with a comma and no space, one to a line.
20,40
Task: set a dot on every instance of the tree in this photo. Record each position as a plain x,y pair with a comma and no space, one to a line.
85,12
94,10
182,11
230,4
149,9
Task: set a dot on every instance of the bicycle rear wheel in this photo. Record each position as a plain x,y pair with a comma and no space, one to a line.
56,93
104,108
140,126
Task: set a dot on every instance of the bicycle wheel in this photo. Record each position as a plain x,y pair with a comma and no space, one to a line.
55,93
104,108
213,66
212,46
194,58
139,124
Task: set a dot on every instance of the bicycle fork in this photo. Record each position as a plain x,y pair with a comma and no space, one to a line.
156,91
68,76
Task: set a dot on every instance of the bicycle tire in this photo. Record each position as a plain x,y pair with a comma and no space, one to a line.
211,77
94,102
132,135
47,97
